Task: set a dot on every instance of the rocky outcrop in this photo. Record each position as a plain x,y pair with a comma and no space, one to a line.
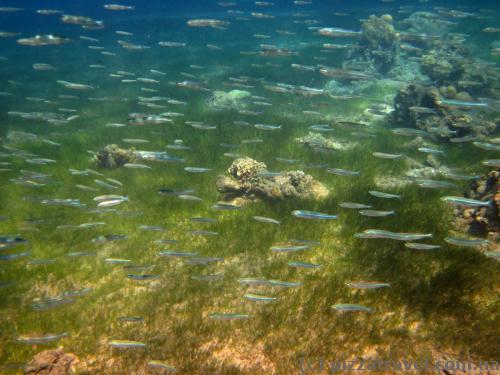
482,221
250,180
113,156
378,46
418,106
52,362
320,142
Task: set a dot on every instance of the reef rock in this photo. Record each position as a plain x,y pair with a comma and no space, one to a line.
419,107
318,142
250,180
234,99
113,156
482,221
52,362
378,47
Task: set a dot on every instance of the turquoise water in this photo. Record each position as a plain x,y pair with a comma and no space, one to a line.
438,301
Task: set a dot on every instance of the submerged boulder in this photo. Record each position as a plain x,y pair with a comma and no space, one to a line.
421,107
250,180
52,362
317,141
482,221
378,47
234,99
113,156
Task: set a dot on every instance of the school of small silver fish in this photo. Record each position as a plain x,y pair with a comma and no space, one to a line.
146,89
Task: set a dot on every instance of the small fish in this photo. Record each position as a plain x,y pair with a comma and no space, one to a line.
466,242
142,277
421,246
380,194
375,213
266,220
304,265
285,284
461,201
376,233
350,307
196,169
43,339
258,298
126,344
203,233
383,155
117,260
228,316
353,205
487,146
342,172
221,206
492,163
460,177
161,365
253,281
289,249
153,228
136,166
367,284
313,215
178,254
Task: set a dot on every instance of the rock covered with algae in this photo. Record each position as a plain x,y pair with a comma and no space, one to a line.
234,99
52,362
250,180
320,142
482,221
452,64
378,48
419,106
113,156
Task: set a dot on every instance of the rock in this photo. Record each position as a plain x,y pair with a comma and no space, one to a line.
113,156
482,221
318,141
52,362
419,107
245,184
234,99
246,168
378,47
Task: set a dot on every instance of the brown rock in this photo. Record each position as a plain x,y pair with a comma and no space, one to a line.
52,362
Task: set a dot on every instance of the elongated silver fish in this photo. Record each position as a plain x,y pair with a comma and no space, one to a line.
313,215
342,172
289,249
461,201
40,339
285,284
126,344
350,307
421,246
258,298
266,220
367,284
380,194
304,265
375,213
466,242
354,205
228,316
383,155
384,234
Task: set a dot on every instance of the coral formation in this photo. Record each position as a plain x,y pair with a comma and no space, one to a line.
482,221
378,47
318,141
420,107
234,99
250,180
113,156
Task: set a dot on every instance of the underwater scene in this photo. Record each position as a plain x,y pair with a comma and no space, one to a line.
249,187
